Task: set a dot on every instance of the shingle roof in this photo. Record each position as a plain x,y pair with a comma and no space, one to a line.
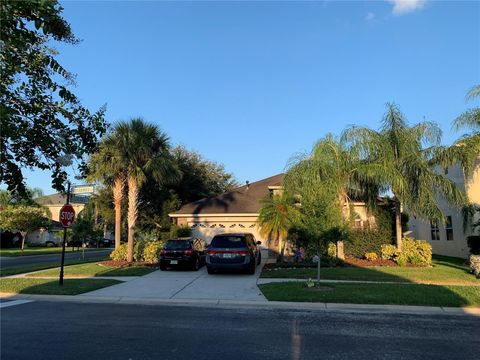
60,199
242,200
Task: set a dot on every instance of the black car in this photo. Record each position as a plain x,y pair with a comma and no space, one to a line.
188,253
233,251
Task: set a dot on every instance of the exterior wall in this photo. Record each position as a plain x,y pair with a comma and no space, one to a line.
55,210
458,246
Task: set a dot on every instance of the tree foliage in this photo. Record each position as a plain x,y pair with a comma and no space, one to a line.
43,123
24,219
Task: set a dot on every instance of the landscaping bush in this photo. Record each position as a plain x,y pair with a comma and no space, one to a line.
363,241
415,252
371,256
388,252
119,254
178,232
473,243
138,250
475,265
332,250
151,252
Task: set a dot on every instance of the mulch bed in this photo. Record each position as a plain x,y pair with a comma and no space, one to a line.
368,263
124,263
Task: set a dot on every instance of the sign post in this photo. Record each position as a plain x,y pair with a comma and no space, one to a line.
67,217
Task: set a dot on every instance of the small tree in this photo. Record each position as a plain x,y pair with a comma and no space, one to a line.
23,219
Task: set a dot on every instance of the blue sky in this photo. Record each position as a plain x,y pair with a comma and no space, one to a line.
251,84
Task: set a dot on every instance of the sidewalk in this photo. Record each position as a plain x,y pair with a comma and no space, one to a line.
270,305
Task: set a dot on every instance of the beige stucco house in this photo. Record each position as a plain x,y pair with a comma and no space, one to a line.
238,210
449,238
55,202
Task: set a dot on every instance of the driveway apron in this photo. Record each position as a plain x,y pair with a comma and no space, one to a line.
191,285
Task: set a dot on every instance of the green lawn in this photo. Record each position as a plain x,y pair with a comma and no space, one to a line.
51,287
395,294
93,269
39,251
444,270
35,267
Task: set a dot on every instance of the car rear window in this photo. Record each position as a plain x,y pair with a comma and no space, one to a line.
177,245
228,242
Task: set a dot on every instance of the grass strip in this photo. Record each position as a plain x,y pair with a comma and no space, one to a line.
51,287
41,251
21,269
393,294
93,269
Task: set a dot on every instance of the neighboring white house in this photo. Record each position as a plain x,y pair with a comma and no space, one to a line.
237,211
449,238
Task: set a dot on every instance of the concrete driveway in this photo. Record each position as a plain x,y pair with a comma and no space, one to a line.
191,285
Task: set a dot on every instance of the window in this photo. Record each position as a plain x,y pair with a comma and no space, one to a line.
449,228
435,233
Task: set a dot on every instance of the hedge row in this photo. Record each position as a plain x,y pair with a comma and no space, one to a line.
147,251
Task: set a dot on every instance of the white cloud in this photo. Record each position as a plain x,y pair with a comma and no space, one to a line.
401,7
370,16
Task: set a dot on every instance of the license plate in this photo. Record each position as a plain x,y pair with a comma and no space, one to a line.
173,262
227,256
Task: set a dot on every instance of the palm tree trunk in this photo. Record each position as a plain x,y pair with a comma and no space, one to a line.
118,186
132,215
398,224
345,207
281,246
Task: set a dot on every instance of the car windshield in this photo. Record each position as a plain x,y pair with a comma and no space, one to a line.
177,245
229,242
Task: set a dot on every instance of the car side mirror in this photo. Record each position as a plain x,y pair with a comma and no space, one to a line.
258,242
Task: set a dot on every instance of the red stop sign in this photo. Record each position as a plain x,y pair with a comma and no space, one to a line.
67,215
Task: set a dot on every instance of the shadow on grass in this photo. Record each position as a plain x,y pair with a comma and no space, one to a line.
52,287
455,286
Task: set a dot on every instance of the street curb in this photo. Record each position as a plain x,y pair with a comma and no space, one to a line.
269,305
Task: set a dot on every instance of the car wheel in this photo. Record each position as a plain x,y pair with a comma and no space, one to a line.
259,258
210,270
163,267
196,264
251,268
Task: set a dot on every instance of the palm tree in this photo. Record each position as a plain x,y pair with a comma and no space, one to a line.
349,176
144,150
399,151
277,215
107,165
466,150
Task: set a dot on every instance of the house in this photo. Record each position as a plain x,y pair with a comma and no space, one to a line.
55,202
449,238
238,210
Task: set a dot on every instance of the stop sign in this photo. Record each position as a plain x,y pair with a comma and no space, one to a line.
67,215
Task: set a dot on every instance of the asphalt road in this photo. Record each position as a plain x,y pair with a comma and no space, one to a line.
8,262
56,330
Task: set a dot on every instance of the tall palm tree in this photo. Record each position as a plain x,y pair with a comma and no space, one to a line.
349,176
277,215
107,165
145,152
404,154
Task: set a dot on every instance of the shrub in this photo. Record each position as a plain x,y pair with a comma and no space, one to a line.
388,252
473,243
366,240
475,265
332,249
138,250
178,232
371,256
151,252
119,254
415,252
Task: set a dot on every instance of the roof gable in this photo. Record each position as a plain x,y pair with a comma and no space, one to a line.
242,200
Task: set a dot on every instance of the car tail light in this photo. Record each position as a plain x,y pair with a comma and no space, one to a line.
242,252
212,252
162,252
188,252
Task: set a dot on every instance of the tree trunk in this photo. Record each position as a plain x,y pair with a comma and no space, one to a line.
281,247
398,224
132,215
345,206
24,238
118,186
